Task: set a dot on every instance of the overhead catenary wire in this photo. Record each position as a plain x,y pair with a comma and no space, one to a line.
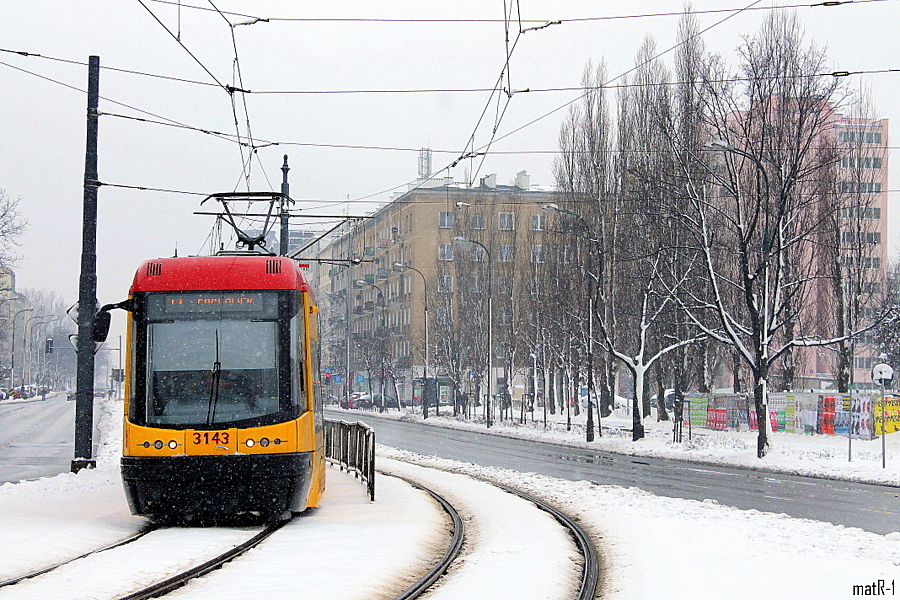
484,152
471,90
541,22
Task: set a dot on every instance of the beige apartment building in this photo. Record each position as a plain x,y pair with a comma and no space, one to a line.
378,270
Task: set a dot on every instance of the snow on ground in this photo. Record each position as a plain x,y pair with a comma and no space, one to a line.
794,453
651,546
507,538
655,547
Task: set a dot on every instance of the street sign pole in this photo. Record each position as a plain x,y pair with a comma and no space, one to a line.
883,375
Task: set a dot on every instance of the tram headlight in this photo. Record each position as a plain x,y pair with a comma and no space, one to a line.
250,443
264,442
173,444
158,444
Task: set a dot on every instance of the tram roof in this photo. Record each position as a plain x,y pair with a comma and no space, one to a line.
203,273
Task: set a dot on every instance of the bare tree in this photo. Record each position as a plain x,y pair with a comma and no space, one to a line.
12,226
756,219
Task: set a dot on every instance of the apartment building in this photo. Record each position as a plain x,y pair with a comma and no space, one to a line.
380,274
861,191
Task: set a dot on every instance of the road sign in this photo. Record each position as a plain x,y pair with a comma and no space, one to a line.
338,379
882,374
360,379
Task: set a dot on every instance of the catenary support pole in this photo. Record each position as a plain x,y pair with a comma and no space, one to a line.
285,194
87,292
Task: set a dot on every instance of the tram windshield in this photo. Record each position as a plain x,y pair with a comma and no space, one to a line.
211,361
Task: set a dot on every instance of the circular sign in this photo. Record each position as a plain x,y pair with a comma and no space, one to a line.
882,373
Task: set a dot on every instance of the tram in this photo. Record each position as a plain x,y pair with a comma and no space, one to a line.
223,412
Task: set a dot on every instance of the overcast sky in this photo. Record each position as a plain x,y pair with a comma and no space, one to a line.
323,47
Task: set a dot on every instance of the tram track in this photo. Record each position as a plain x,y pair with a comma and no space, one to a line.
590,567
163,585
39,572
177,581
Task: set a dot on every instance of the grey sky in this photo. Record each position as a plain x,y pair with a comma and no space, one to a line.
42,154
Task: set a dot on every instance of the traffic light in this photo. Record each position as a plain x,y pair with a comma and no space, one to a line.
48,346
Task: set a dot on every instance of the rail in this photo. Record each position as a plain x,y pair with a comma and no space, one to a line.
352,446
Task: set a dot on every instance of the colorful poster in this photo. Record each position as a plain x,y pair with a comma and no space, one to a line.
790,414
861,410
699,405
891,412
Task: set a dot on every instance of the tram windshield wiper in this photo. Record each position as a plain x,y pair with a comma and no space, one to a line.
214,386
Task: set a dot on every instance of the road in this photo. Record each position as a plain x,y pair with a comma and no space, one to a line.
874,508
36,437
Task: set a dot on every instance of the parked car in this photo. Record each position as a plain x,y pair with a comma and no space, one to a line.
357,400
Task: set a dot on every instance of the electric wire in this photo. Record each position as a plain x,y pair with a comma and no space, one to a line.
530,90
541,22
231,90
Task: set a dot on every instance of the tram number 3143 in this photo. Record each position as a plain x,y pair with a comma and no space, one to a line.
211,437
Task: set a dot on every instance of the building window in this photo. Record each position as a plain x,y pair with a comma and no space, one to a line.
506,220
861,237
861,212
861,162
445,284
505,286
539,222
445,252
537,253
865,362
860,187
507,253
861,262
870,287
477,220
860,137
447,220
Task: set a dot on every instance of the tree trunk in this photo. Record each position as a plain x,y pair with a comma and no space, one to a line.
762,414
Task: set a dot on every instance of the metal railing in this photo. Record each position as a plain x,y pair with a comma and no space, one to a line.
352,447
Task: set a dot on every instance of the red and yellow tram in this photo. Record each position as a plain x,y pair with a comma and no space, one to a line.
223,412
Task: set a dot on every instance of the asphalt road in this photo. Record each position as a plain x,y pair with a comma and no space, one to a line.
874,508
36,437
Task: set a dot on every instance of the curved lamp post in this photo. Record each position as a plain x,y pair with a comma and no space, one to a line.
12,359
490,331
589,433
425,372
384,328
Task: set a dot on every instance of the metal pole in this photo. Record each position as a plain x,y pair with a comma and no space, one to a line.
425,372
87,296
883,423
285,194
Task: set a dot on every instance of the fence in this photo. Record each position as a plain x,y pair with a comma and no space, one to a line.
858,415
352,446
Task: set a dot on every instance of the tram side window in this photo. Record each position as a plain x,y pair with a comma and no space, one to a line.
211,371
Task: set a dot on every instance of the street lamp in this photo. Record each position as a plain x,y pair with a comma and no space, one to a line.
26,343
12,358
487,406
347,341
589,434
425,372
383,328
